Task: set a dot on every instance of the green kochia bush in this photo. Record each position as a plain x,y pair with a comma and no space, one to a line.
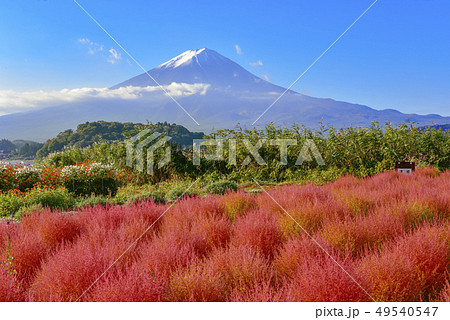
125,198
221,187
93,201
12,203
178,191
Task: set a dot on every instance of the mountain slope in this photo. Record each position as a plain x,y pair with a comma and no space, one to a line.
202,66
216,91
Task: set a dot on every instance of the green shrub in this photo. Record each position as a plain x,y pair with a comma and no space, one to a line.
221,187
58,198
179,191
145,197
132,194
10,203
93,201
92,179
28,209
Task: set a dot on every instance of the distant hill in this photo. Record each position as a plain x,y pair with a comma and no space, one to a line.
444,127
7,146
20,143
89,133
19,149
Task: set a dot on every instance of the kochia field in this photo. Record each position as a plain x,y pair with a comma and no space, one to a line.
382,238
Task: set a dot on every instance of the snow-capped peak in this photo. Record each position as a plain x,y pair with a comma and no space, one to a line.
184,58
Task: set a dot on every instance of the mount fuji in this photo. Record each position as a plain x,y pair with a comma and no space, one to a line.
214,90
203,66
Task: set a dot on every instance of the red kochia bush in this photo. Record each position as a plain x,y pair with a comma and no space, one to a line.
68,273
258,230
237,203
321,279
410,269
197,283
307,273
134,285
26,252
52,227
166,253
261,291
10,287
241,267
296,252
444,295
99,222
203,230
361,233
109,235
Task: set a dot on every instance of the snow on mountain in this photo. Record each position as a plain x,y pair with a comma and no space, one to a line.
186,57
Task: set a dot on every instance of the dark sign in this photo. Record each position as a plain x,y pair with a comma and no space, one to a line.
405,167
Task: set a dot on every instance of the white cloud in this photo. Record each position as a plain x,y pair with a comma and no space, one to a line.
266,77
256,64
91,45
238,49
114,56
93,48
15,101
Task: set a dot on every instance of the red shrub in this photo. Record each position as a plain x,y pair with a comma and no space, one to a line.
308,217
260,292
197,283
132,285
194,207
203,230
241,267
165,254
52,227
411,269
295,253
68,273
427,172
27,244
321,279
27,251
444,296
214,231
10,288
100,221
237,203
259,231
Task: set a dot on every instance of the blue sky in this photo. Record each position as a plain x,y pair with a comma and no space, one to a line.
396,56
